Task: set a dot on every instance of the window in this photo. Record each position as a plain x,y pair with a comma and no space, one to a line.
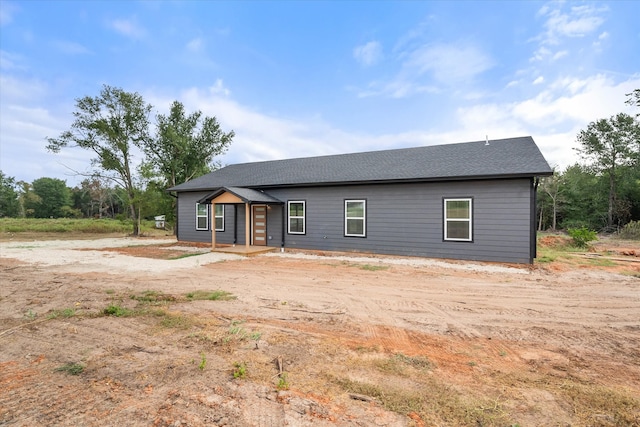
202,216
457,220
297,217
219,217
355,218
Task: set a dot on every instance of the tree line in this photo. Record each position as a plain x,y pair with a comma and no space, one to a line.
602,192
132,165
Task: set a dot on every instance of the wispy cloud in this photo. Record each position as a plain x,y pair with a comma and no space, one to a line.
430,68
448,63
11,61
368,54
69,48
128,28
562,22
7,9
195,45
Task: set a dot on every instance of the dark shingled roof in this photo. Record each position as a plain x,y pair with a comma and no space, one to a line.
247,195
504,158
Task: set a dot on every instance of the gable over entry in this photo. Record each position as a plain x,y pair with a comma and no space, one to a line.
237,196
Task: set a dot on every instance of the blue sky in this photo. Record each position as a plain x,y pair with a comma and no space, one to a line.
297,79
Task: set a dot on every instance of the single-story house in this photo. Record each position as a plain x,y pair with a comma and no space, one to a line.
467,201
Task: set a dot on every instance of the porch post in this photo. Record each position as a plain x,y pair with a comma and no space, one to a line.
213,225
247,229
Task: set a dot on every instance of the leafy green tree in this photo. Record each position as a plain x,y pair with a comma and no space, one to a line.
26,198
9,205
610,145
185,145
184,148
584,199
110,125
54,198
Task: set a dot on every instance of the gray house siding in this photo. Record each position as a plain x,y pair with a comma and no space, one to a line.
401,219
407,219
187,214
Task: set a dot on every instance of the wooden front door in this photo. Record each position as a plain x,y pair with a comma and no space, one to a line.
259,221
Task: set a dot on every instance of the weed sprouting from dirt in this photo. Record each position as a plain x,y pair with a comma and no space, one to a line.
203,361
71,368
239,370
210,295
117,311
283,382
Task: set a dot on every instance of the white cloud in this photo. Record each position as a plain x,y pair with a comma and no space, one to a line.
11,61
7,9
368,54
577,22
70,48
128,27
431,68
448,63
554,116
195,45
539,80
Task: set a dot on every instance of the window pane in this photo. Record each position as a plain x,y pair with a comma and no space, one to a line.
202,222
219,210
355,226
458,230
458,209
296,209
202,210
296,225
219,223
355,209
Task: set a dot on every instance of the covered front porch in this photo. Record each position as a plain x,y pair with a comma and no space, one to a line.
257,206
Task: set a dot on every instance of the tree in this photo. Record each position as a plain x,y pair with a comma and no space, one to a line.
110,125
551,186
634,99
53,198
610,144
184,147
584,199
9,205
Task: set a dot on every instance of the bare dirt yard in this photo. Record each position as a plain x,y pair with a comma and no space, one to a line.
150,332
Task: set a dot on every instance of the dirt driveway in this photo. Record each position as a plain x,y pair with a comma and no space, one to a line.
115,332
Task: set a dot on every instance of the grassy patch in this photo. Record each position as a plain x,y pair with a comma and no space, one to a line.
65,313
153,297
68,225
210,295
370,267
117,311
71,368
173,320
398,363
436,403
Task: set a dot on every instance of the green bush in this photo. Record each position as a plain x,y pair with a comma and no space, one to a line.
630,231
582,236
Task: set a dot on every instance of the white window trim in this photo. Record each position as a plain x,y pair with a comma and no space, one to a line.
304,217
206,216
469,220
219,216
363,217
